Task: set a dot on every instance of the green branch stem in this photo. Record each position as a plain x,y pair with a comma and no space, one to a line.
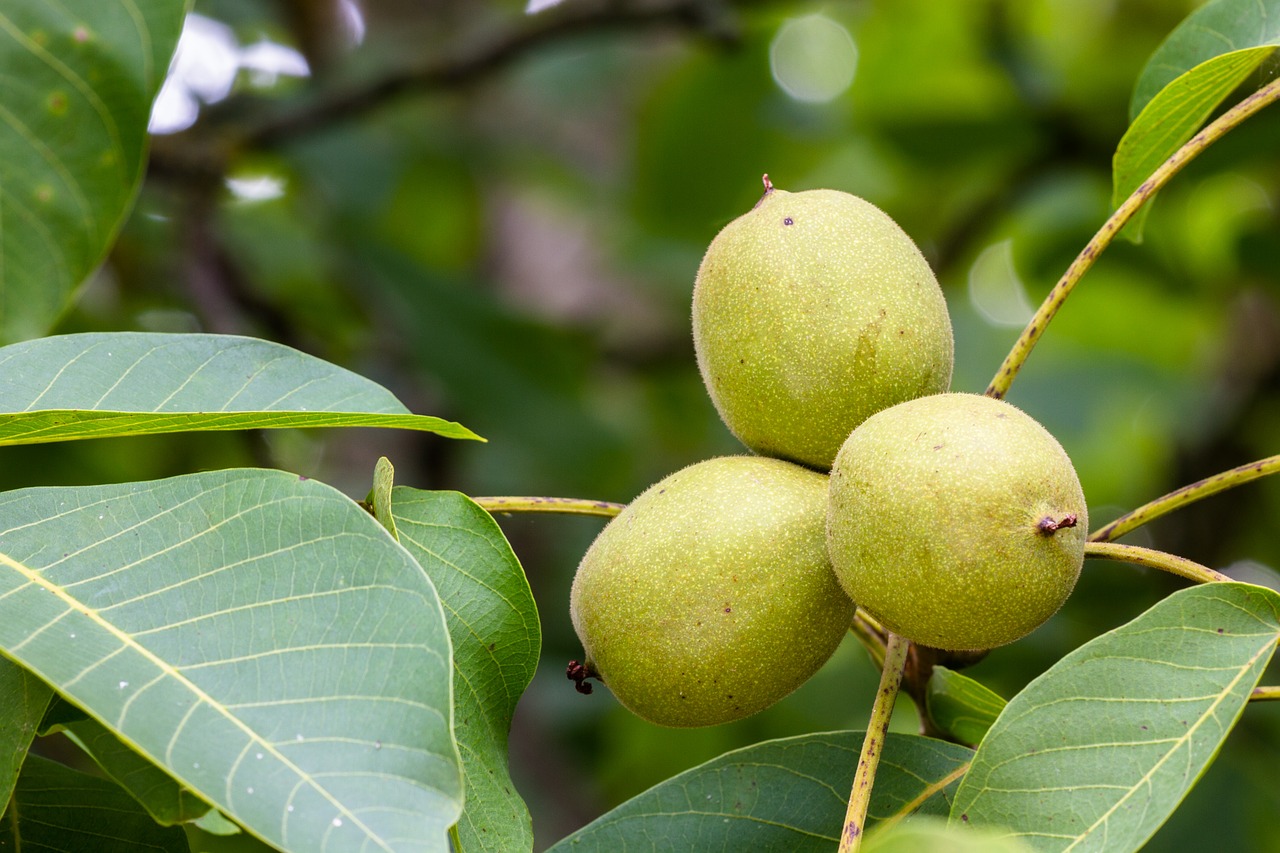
1267,693
1058,295
1179,498
855,818
870,634
1165,562
564,506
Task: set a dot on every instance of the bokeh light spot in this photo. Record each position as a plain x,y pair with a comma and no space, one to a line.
813,58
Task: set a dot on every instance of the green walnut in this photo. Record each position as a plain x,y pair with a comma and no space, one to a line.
811,313
710,597
956,520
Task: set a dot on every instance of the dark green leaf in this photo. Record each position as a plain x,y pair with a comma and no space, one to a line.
23,700
788,794
59,715
1096,753
960,706
79,78
165,800
64,810
132,383
256,634
493,622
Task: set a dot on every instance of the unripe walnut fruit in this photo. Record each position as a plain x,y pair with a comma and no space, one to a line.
956,520
812,312
710,597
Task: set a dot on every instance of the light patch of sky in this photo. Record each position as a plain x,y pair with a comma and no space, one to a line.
536,6
205,67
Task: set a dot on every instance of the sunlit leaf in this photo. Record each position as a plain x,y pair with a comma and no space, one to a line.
56,808
132,383
256,634
1203,61
493,622
960,706
788,794
1216,28
1096,753
79,78
23,700
1172,118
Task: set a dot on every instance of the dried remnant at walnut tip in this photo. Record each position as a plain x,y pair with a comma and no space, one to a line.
811,312
710,597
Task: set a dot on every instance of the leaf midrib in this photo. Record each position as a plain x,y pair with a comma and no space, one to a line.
72,604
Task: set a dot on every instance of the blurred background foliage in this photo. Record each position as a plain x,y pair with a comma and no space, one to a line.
499,217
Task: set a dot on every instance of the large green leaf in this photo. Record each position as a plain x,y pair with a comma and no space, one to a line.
788,794
254,633
133,383
59,809
23,700
493,622
78,80
1096,753
1202,62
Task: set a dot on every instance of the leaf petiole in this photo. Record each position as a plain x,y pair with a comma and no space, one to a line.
855,818
566,506
1265,693
872,637
1151,558
1179,498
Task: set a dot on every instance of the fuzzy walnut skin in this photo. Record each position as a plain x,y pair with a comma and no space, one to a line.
710,597
811,313
957,521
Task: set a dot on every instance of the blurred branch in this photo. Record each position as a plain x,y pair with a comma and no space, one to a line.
208,147
705,16
320,30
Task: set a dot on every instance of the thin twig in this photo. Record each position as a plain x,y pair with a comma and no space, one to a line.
566,506
1179,498
1058,295
855,818
1267,693
870,634
1151,558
